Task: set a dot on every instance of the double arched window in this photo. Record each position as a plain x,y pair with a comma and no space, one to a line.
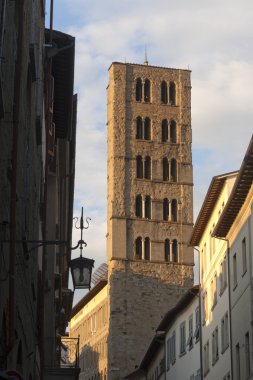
169,131
143,90
142,248
143,128
169,170
170,210
171,250
146,173
172,93
139,207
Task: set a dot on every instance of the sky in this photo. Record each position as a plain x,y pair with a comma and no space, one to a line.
211,38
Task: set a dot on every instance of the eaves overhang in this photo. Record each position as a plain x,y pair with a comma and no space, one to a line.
63,60
238,195
88,297
211,198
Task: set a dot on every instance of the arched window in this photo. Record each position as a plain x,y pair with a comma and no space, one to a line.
138,206
147,134
174,210
173,131
173,170
147,168
148,207
172,94
174,251
165,209
165,169
147,249
164,92
138,248
139,134
164,130
167,250
147,91
139,167
138,90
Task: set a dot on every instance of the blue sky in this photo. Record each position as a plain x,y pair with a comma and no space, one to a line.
212,38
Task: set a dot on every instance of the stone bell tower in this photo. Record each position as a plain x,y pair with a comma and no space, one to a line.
149,205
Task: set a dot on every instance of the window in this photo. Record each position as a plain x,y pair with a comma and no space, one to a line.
139,134
173,170
244,257
214,290
234,271
223,275
174,251
138,248
215,346
205,305
227,376
165,134
197,324
172,94
148,207
147,91
198,375
206,358
165,209
164,92
247,355
224,333
192,377
147,129
238,364
182,338
147,168
147,249
171,350
173,131
138,90
190,337
165,169
167,250
138,206
174,210
139,167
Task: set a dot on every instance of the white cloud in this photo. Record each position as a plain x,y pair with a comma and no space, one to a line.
213,37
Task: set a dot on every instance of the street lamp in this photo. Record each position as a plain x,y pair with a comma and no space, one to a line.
81,267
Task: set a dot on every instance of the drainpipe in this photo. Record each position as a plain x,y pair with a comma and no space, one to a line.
14,158
229,306
200,322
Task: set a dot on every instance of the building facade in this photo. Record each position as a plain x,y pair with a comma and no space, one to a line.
214,293
37,165
149,204
235,227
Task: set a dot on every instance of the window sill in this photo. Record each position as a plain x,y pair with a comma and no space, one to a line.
182,354
235,286
245,271
213,306
224,349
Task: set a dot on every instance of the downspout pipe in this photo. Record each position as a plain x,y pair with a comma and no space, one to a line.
14,159
44,228
229,306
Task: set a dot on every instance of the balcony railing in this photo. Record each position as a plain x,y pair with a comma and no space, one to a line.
68,352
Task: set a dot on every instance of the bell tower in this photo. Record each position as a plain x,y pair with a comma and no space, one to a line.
149,204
